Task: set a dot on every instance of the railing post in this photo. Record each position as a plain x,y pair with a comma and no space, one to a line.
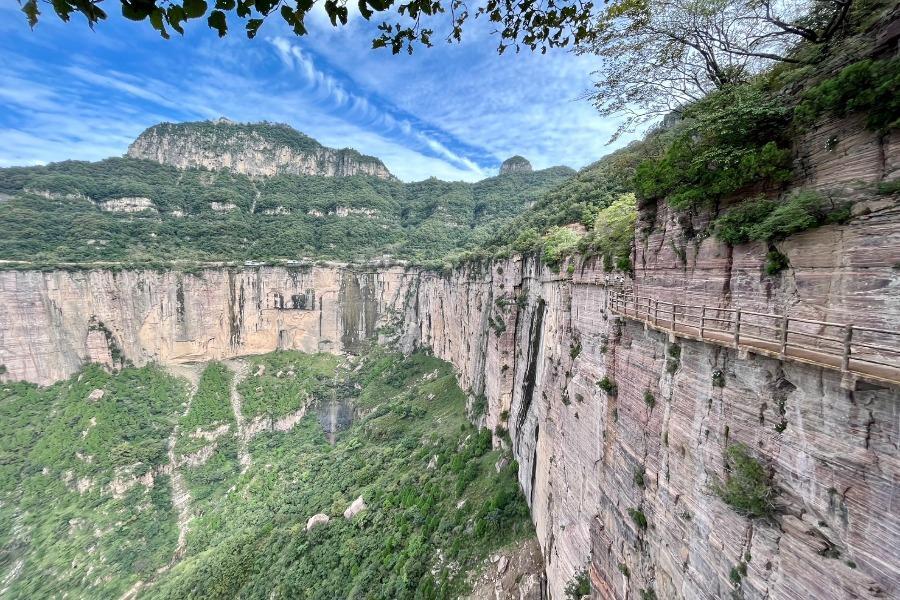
702,320
648,309
737,328
656,312
674,308
848,337
784,334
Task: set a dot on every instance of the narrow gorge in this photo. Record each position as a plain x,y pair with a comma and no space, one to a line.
620,430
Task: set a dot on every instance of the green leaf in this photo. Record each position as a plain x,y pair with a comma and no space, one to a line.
31,11
175,16
156,19
194,8
216,21
135,12
226,4
253,26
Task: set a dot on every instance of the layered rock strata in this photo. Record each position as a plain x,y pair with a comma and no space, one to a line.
535,344
257,150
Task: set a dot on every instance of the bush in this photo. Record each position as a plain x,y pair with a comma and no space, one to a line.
674,359
639,518
869,86
608,385
718,378
767,220
649,400
776,262
578,587
613,234
639,477
559,243
747,488
728,140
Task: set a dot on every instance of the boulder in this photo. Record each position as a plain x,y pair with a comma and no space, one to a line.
316,520
355,508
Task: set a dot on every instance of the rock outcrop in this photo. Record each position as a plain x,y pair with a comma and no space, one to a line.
317,520
515,164
254,149
536,343
356,507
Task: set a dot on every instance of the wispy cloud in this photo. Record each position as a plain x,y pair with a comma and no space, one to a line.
453,111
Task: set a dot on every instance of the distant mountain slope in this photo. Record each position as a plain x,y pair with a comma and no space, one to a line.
254,149
133,211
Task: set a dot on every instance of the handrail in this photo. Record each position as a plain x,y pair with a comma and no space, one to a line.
876,357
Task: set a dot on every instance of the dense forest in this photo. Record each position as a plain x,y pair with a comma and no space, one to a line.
86,504
62,213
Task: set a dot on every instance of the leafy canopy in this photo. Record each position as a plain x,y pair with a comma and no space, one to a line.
519,23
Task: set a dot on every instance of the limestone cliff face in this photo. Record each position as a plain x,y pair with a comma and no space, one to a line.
515,164
51,323
258,149
535,344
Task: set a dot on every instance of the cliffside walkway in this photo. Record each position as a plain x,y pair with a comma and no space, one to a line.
858,352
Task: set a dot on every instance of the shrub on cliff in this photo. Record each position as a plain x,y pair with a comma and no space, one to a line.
613,233
869,86
559,243
765,219
747,488
579,586
730,139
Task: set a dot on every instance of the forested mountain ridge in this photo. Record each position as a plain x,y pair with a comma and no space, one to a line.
137,211
254,149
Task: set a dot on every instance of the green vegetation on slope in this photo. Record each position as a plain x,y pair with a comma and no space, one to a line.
55,214
73,514
281,383
436,506
253,542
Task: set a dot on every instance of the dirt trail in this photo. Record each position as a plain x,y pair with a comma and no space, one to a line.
181,497
240,368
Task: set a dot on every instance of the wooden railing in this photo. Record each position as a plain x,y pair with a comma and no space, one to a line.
865,352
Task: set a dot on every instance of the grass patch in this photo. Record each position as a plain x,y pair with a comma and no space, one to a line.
747,488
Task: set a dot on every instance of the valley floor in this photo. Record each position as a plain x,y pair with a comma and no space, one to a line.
284,475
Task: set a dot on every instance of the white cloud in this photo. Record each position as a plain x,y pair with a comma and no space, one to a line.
453,111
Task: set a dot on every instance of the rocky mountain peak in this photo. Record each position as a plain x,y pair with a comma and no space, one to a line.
255,149
515,164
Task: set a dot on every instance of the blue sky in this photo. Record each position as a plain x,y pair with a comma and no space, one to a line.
454,111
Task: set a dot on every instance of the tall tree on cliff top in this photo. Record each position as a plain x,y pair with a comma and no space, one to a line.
659,55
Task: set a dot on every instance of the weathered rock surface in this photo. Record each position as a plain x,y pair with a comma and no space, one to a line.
515,574
317,520
535,344
254,149
128,204
356,507
515,164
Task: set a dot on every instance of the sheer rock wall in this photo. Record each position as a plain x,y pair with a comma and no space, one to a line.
535,343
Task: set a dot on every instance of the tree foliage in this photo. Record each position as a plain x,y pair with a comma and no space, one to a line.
760,25
732,138
56,214
661,55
